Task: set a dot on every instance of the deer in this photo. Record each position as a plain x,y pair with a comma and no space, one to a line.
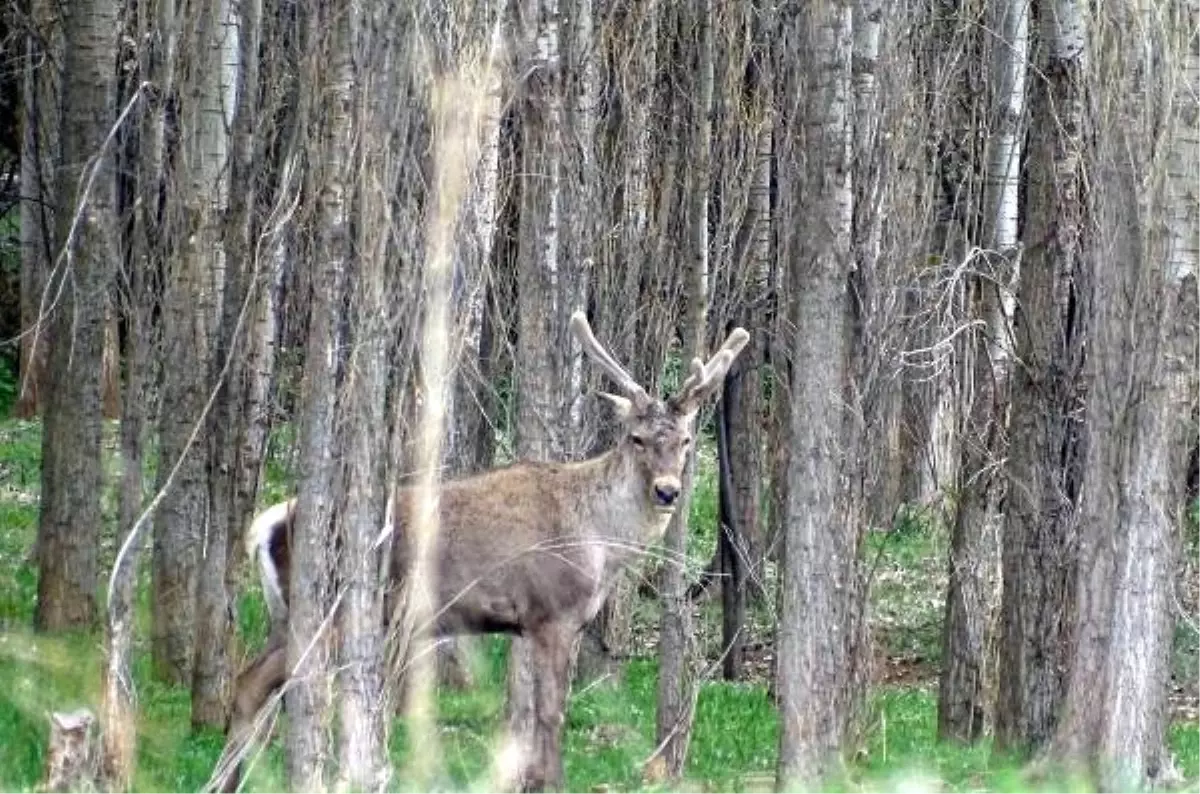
532,549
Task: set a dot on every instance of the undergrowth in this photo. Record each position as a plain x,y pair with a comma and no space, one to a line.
609,724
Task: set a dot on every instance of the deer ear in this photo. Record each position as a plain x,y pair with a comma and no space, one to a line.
621,406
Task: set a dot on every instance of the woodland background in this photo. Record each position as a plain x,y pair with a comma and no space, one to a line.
959,457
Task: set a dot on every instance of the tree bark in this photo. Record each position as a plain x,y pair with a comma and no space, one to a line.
547,285
974,554
118,714
68,531
1047,437
676,687
218,57
185,540
40,129
813,642
622,149
332,136
731,538
1143,346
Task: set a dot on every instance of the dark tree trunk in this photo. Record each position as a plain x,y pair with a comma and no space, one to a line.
72,477
40,129
731,539
1047,436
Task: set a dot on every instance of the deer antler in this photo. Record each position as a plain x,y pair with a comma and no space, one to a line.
583,332
704,378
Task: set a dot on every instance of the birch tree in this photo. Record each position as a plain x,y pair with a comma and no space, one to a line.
963,696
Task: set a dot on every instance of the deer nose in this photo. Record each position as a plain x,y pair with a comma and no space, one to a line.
666,493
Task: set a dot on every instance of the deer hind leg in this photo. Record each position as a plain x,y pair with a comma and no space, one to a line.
552,646
254,687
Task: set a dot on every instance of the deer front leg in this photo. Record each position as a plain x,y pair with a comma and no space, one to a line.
552,646
254,686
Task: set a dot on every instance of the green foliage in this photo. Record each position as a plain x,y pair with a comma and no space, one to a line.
704,513
908,586
9,383
609,725
20,464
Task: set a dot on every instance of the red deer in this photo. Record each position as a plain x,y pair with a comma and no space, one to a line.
531,550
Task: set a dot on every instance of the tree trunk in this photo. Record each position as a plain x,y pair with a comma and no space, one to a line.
72,477
1047,437
974,554
312,554
1143,364
546,285
185,541
731,539
217,57
622,146
118,715
40,130
820,547
363,761
676,688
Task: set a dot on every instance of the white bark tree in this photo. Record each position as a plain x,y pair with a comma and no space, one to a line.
974,554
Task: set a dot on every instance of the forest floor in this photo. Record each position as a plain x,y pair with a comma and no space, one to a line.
610,725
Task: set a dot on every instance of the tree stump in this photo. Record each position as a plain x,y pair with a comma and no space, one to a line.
71,755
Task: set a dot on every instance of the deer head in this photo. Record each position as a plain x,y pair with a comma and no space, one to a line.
657,434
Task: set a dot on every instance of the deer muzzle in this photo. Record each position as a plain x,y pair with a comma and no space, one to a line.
666,491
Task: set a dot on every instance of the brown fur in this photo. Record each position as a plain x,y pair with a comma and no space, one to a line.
533,549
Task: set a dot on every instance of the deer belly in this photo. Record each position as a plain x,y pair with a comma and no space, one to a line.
478,615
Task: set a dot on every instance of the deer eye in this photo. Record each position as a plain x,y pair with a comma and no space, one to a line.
637,441
687,441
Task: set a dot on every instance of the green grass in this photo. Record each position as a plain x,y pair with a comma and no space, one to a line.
609,726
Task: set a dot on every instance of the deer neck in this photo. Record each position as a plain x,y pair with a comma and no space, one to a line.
620,513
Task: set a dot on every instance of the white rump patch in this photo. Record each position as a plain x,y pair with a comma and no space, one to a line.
258,544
